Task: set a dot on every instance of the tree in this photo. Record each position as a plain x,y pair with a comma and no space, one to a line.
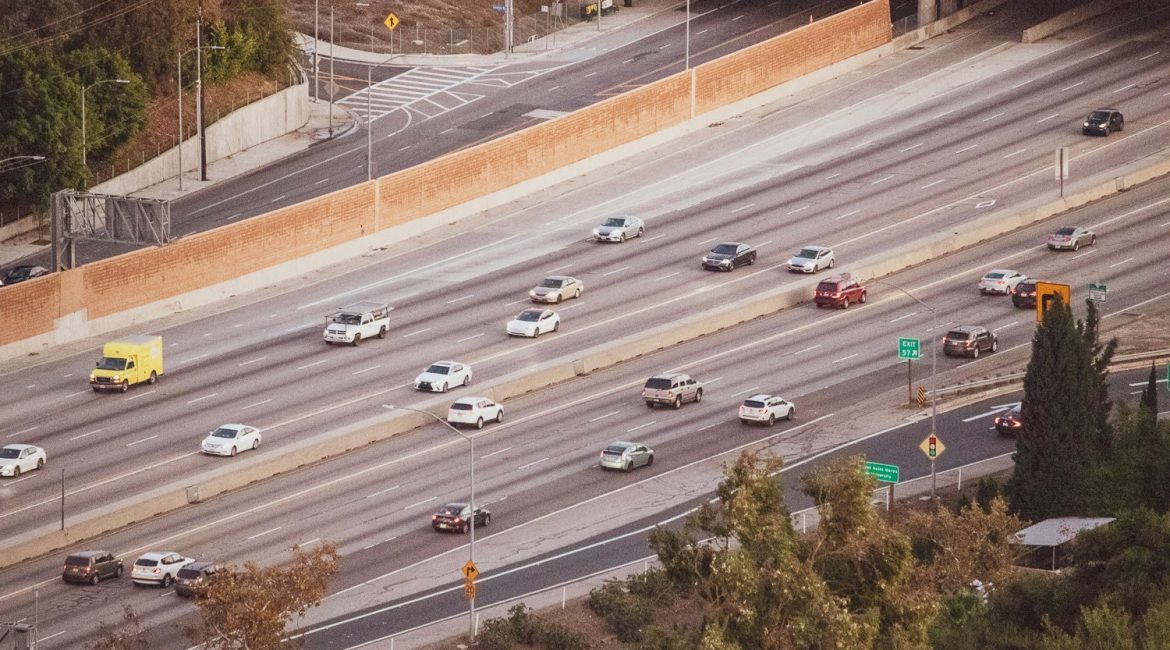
114,112
1065,405
128,634
956,549
1149,403
155,31
269,22
250,607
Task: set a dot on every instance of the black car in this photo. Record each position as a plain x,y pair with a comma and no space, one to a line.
457,517
193,579
969,340
21,273
1010,423
91,567
728,256
1103,121
1024,295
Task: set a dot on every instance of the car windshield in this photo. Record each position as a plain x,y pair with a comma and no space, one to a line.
614,222
460,406
142,561
9,453
958,335
1099,115
108,363
439,369
529,316
724,249
658,383
753,404
550,283
807,253
1065,231
224,433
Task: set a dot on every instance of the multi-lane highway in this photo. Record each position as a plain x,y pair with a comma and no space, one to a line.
865,164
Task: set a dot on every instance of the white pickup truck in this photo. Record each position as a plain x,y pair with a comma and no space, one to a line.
358,321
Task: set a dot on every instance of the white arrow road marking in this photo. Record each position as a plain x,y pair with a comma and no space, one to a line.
995,409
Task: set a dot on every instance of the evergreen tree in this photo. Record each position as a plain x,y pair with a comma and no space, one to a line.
1099,376
1062,440
1149,404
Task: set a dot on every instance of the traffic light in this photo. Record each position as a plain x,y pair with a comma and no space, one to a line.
932,446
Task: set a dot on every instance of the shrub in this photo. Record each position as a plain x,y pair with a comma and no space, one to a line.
502,633
555,636
988,490
624,613
653,585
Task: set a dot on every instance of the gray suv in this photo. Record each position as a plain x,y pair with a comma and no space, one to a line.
194,579
672,389
91,567
969,341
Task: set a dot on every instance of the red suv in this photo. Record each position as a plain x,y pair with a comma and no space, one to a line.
840,291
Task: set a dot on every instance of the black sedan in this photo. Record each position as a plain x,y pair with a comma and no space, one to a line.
1010,423
457,517
728,256
21,273
1103,121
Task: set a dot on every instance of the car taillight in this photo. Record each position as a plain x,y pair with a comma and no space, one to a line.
456,520
156,570
434,517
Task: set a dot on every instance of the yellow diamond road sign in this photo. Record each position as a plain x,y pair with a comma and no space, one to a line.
392,21
932,446
470,571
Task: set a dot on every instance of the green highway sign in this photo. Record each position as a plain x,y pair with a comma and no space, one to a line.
1097,291
883,473
908,349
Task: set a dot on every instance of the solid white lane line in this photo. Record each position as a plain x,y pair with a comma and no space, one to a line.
602,417
933,183
365,370
1016,153
271,530
468,338
137,395
535,462
844,358
310,365
742,208
1124,261
419,503
131,444
1045,119
200,399
249,362
460,298
746,390
253,404
847,214
913,313
85,435
641,426
808,349
668,275
406,336
498,451
624,268
913,146
380,492
1072,86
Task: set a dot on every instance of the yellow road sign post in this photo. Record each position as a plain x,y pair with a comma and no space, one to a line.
1044,296
391,21
470,571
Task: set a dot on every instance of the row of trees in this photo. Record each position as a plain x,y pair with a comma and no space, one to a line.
52,50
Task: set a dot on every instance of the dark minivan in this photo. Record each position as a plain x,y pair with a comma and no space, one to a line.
91,567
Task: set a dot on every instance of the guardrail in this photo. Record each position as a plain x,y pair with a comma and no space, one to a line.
1118,360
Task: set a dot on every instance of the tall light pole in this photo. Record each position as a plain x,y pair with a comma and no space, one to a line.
84,89
4,167
687,58
933,372
369,111
180,102
471,546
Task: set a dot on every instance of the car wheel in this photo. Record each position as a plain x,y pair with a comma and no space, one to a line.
444,389
556,326
137,584
466,528
487,519
622,238
819,305
558,299
832,262
791,412
698,396
649,405
975,352
641,231
861,298
1120,125
995,345
499,416
1106,133
1051,247
255,444
650,460
233,452
382,332
677,403
845,304
1093,240
40,463
96,389
1077,245
16,472
125,385
94,579
167,580
771,419
577,294
479,423
357,340
751,260
536,332
153,378
628,466
466,379
118,572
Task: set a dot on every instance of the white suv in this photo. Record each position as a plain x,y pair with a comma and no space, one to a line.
158,568
766,408
474,411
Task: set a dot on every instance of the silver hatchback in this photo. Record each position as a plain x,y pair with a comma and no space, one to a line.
626,456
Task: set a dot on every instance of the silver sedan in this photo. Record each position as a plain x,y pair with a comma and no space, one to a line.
1072,238
626,456
556,288
619,229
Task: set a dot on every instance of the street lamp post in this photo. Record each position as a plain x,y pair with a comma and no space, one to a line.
369,112
471,545
933,372
18,159
84,89
180,101
687,58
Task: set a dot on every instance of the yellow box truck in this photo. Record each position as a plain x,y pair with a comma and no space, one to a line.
128,361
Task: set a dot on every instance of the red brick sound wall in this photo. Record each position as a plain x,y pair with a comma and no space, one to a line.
792,55
207,258
498,164
30,308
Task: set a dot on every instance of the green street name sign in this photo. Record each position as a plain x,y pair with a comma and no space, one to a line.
908,349
1097,291
883,473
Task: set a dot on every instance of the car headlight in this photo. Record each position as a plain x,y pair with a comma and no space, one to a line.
117,378
1086,124
532,293
597,232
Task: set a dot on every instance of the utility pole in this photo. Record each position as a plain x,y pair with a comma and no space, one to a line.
199,86
316,57
331,71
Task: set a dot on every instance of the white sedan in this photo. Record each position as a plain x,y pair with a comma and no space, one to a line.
231,438
811,259
442,375
1000,281
474,411
534,322
619,229
15,459
556,288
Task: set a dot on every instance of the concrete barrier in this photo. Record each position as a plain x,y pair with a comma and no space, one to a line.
1067,19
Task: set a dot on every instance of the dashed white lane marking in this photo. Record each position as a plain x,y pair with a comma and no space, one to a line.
668,275
1072,86
251,361
323,180
1004,327
310,365
516,302
416,332
468,338
365,370
913,313
800,209
642,426
913,146
832,176
944,114
1149,56
419,503
460,298
498,451
808,349
1124,88
131,444
21,432
277,198
366,548
535,462
255,404
1124,261
1023,83
861,144
200,399
932,183
844,358
1015,153
1050,117
742,208
966,149
137,395
746,390
624,268
602,417
269,531
847,214
882,180
1088,252
381,492
709,426
559,268
86,435
80,392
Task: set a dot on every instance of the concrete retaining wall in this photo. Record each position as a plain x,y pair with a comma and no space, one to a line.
271,117
1067,19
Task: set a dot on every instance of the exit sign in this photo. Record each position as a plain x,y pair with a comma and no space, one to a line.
909,349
